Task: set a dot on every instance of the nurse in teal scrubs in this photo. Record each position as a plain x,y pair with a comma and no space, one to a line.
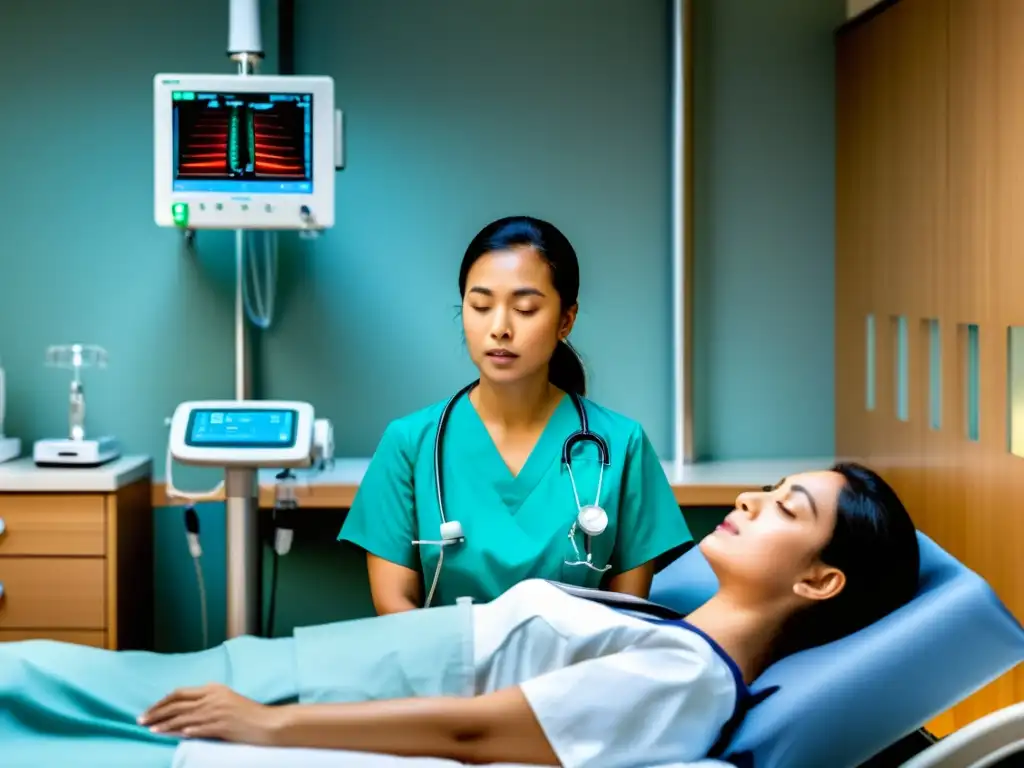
504,480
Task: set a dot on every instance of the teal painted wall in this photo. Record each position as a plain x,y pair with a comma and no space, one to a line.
452,120
764,138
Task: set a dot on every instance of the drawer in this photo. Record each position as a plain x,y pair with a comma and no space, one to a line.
79,637
52,524
52,593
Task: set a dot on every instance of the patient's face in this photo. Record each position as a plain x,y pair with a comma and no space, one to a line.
768,546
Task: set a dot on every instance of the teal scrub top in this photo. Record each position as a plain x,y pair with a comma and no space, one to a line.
516,526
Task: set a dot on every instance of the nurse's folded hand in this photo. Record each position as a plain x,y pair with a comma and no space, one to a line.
211,712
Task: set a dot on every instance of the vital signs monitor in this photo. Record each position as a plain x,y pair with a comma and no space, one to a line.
244,152
248,433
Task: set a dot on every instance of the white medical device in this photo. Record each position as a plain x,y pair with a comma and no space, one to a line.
244,436
77,449
245,151
10,447
253,434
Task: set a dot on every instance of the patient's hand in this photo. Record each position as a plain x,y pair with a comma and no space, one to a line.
211,712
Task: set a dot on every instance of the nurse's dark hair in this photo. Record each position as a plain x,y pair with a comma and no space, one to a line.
565,370
875,545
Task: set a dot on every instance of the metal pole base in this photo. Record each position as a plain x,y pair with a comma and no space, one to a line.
242,552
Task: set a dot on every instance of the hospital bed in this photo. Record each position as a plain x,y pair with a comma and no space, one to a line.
835,706
985,743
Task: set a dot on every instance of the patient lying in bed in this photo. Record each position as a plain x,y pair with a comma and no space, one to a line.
536,676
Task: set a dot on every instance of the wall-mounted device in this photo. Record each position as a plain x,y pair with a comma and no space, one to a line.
244,152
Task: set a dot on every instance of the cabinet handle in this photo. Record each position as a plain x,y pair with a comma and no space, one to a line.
1,590
3,526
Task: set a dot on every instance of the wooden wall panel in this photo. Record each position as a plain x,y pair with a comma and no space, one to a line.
972,135
853,243
929,196
1007,167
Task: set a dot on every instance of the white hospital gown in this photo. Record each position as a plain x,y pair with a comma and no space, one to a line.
609,690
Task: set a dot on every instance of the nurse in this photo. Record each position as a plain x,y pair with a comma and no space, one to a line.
508,497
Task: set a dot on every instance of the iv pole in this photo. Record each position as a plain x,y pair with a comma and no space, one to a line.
241,490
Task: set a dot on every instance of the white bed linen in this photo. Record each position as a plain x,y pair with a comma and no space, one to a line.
205,754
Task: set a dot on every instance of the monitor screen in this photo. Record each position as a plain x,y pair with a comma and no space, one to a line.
243,143
241,429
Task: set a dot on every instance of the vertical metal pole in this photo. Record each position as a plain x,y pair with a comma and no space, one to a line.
682,448
242,552
243,358
241,490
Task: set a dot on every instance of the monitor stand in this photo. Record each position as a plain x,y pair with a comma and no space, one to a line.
243,545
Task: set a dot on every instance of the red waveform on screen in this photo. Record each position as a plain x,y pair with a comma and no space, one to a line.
206,147
223,142
280,153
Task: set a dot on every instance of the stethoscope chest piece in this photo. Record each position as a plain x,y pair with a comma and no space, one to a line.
592,520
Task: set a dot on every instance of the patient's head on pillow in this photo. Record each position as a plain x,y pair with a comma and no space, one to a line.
830,552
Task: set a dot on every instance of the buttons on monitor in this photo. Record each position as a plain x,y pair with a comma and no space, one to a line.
234,214
179,214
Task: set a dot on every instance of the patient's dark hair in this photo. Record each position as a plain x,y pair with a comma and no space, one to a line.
875,545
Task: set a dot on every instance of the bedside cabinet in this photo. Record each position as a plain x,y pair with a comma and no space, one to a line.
76,553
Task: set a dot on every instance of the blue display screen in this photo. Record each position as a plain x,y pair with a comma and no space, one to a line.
229,428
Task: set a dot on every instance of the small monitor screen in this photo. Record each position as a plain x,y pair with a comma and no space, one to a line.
241,429
243,143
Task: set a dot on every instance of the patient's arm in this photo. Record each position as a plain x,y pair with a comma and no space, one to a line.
497,727
494,728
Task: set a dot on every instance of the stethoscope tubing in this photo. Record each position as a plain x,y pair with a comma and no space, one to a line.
581,436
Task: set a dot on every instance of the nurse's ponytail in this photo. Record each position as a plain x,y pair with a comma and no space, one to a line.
565,369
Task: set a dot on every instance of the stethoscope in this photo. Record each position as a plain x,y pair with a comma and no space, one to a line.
590,518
